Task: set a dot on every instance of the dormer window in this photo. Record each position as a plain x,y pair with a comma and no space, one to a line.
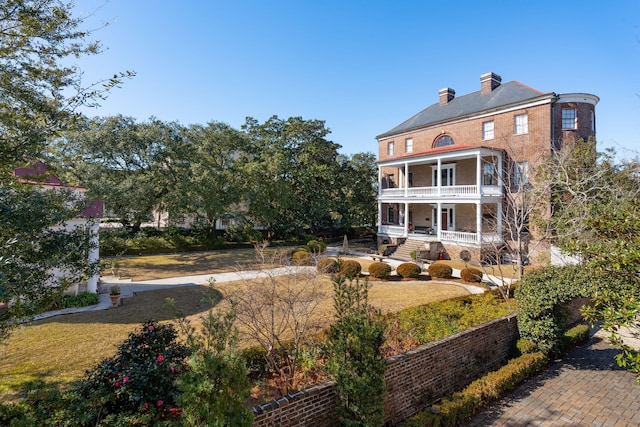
443,141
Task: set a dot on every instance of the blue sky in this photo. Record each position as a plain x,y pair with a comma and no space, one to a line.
361,66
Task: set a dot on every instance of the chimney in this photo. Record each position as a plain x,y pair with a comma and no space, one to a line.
446,95
489,81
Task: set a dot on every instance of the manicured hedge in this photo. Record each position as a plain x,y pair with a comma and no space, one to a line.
350,268
440,270
409,270
471,274
379,270
327,266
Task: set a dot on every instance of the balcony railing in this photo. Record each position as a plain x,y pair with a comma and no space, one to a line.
435,192
459,237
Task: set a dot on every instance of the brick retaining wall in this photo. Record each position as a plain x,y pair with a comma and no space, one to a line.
414,379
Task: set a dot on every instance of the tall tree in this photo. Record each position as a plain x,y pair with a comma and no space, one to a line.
39,96
358,188
290,174
135,167
211,188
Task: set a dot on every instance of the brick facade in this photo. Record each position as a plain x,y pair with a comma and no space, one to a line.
415,379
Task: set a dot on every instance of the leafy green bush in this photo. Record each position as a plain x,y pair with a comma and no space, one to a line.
577,335
254,358
526,346
327,266
408,270
452,411
350,268
355,361
541,296
439,270
83,299
379,270
471,274
139,381
316,246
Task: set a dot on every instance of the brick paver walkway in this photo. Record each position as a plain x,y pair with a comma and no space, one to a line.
585,389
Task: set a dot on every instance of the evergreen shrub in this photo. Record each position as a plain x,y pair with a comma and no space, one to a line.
440,271
350,268
379,270
408,270
471,274
327,266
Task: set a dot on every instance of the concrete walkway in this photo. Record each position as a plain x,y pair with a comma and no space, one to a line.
586,388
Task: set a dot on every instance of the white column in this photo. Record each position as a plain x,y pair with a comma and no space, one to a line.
379,217
479,222
406,222
479,173
406,179
499,215
439,178
439,215
94,255
500,175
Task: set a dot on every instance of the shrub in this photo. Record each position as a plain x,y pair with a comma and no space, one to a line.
526,346
355,361
327,266
541,296
140,379
301,257
408,270
83,299
316,246
455,409
350,268
439,270
379,270
577,335
471,274
254,358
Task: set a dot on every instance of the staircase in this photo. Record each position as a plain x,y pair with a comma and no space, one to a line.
403,251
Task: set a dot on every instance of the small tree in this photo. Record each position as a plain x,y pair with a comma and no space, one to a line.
277,310
215,386
355,359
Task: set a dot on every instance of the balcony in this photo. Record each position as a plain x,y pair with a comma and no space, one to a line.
434,193
463,238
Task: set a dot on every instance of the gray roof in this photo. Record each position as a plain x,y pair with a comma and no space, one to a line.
506,94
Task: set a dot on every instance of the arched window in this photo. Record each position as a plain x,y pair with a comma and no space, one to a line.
443,141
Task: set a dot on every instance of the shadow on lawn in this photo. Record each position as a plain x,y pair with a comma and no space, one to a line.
148,305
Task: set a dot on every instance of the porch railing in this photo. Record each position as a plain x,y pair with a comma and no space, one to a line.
459,236
433,192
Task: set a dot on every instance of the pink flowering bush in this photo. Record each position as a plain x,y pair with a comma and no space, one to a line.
140,382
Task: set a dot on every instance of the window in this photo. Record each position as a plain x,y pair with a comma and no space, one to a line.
569,118
410,179
390,216
488,177
390,148
521,174
447,175
443,141
593,121
521,124
391,181
487,130
408,145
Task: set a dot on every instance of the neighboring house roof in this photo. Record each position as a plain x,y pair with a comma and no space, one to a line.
94,208
509,93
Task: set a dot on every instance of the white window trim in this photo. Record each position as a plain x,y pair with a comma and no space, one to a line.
408,145
484,131
515,124
434,169
451,217
575,119
390,148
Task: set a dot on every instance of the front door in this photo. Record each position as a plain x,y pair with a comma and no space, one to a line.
444,220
